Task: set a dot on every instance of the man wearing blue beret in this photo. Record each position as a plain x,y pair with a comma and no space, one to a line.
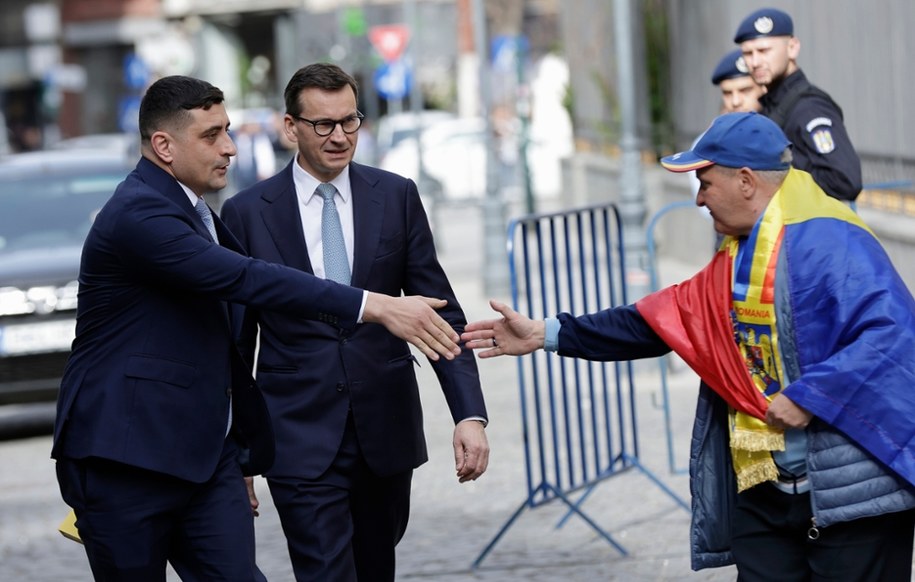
802,458
809,117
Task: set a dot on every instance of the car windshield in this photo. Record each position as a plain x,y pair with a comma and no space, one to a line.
51,211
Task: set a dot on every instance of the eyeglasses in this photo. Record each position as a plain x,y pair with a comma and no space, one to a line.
325,127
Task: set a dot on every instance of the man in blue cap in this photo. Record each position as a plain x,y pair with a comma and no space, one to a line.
802,461
739,92
808,115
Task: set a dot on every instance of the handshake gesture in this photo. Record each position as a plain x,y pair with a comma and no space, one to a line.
512,335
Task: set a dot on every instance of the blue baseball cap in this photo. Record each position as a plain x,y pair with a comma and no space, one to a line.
764,22
735,140
730,67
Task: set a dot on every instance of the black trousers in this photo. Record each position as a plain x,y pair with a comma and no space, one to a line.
344,525
770,542
132,521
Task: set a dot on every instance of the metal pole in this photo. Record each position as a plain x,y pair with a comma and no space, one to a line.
523,104
632,193
426,186
495,270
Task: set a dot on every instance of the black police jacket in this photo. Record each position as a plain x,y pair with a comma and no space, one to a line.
813,122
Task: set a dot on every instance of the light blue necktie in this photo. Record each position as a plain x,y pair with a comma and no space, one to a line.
204,211
336,263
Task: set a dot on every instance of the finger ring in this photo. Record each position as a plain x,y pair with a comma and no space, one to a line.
494,344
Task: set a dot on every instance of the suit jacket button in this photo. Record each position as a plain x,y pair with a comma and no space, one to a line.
340,386
229,392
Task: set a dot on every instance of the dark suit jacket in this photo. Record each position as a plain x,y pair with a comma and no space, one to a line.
312,373
153,362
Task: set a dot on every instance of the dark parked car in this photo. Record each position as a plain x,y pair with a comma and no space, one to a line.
48,201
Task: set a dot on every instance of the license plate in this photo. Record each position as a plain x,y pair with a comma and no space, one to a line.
36,338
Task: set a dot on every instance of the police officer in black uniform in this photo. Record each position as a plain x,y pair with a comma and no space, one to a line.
808,115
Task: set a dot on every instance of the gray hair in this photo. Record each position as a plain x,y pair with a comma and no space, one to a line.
771,176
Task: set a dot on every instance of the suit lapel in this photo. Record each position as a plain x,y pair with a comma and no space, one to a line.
368,216
284,223
166,185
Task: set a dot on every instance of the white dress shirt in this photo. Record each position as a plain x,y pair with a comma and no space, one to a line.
310,207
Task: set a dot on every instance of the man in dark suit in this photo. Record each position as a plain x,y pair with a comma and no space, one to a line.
345,403
158,416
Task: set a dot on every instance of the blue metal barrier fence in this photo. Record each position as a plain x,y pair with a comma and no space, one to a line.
578,418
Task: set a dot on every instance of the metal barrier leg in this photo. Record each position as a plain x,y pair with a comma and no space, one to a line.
578,503
573,508
665,399
589,521
498,536
670,492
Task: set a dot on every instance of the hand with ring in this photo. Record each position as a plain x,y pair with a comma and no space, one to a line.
517,335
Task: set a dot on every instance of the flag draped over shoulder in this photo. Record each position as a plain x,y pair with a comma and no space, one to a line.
693,319
851,333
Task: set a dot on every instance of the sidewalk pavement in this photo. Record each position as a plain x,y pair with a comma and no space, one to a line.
450,523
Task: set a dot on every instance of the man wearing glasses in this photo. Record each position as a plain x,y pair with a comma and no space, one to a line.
345,405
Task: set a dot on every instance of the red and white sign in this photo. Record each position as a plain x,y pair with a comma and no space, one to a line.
389,40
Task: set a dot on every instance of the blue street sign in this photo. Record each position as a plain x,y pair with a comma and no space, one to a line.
506,50
136,72
129,114
393,80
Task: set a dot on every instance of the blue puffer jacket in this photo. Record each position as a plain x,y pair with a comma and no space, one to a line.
846,481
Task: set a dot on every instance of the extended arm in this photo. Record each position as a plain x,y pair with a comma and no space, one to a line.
609,335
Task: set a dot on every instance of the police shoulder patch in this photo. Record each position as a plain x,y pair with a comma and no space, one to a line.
818,121
822,140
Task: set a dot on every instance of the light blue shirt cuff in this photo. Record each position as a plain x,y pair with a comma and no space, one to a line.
478,418
551,334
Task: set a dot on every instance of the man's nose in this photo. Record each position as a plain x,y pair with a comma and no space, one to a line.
229,146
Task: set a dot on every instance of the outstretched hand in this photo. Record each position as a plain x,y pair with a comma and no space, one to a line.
414,319
512,335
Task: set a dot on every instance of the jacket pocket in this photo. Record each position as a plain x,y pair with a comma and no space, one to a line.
409,357
172,372
269,369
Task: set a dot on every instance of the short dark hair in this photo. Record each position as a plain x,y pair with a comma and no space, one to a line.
316,76
169,100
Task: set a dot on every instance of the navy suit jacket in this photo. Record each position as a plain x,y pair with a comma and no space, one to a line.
311,373
149,378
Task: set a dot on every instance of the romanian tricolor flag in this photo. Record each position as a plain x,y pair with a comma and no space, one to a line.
693,318
845,317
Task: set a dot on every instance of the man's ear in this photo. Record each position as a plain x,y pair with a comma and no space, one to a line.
794,48
747,181
289,129
161,144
